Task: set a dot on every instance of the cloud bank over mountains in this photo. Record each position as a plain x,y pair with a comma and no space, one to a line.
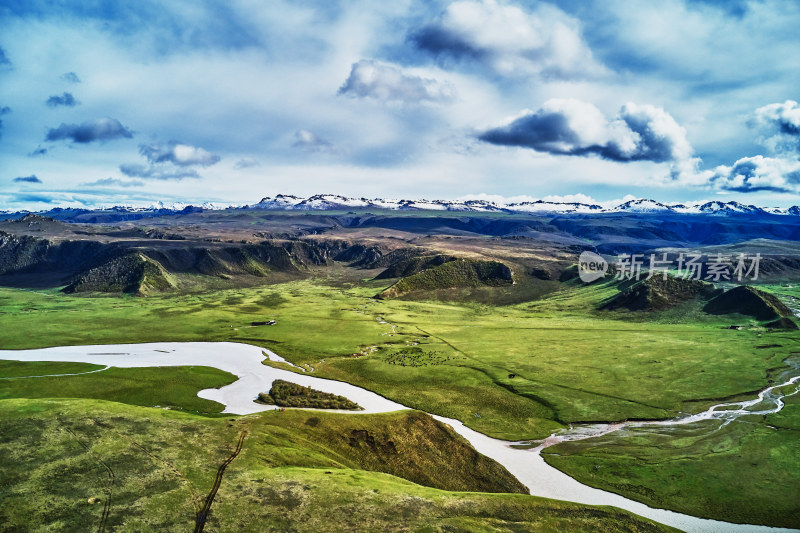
599,97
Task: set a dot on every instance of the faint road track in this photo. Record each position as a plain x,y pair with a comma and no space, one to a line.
202,515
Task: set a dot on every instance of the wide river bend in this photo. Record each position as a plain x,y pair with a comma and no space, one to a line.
245,361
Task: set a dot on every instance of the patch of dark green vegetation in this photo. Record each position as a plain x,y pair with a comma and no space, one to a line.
747,300
413,265
416,356
285,394
167,387
452,274
133,273
658,293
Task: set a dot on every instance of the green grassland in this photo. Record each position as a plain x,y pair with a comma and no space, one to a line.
570,362
74,465
20,369
166,387
744,472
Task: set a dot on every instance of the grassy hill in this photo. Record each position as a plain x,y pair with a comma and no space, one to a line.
134,273
413,265
658,293
452,274
72,465
747,300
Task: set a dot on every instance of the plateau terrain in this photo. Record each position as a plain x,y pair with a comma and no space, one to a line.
477,317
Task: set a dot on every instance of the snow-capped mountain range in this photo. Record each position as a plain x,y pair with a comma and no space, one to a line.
323,202
329,202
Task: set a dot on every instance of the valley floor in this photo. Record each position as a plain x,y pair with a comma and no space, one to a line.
514,372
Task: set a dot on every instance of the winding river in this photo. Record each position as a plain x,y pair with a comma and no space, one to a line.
245,361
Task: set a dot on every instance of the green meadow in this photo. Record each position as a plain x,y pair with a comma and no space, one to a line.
167,387
514,372
71,465
744,472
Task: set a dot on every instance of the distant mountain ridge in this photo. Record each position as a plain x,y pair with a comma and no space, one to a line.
323,202
331,202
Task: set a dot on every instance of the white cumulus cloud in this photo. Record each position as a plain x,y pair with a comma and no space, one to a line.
779,126
180,154
758,173
383,81
510,40
639,132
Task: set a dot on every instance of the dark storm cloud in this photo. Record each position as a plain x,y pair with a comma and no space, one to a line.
157,172
573,127
177,153
66,99
442,43
542,131
101,129
70,77
28,179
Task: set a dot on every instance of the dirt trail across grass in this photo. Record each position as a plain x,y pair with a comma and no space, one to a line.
202,515
111,478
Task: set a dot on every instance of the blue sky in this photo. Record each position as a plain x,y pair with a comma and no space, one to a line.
111,102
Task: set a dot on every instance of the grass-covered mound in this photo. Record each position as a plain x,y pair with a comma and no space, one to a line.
151,470
413,265
286,394
132,273
452,274
407,444
747,300
658,293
